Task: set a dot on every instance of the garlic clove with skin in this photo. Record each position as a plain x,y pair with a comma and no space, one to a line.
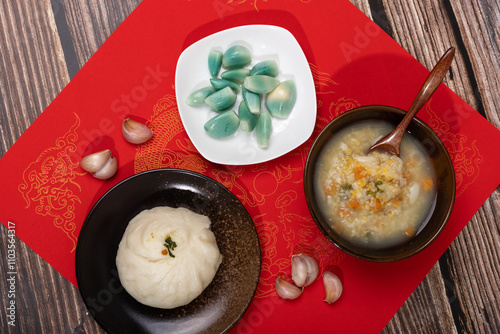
108,170
102,165
304,269
287,290
333,287
135,132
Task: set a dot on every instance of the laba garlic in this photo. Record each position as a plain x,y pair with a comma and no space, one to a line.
286,290
304,269
333,287
102,165
135,132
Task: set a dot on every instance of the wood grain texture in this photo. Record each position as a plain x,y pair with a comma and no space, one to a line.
32,67
468,272
479,25
87,24
45,301
469,269
44,43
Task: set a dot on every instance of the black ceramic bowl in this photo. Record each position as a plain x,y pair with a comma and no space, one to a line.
445,184
222,303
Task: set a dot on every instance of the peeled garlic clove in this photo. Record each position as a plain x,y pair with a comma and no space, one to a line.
248,120
286,290
333,287
197,98
304,269
260,84
252,100
223,83
236,56
266,67
237,75
135,132
214,62
222,125
281,100
221,100
100,164
263,129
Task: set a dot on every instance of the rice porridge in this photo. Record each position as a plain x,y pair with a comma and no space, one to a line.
374,199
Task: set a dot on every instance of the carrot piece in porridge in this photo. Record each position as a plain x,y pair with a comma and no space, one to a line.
359,172
378,205
427,183
354,204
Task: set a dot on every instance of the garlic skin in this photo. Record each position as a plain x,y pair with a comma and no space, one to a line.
286,290
102,165
333,287
304,269
135,132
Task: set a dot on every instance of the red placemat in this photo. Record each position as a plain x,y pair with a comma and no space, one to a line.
47,195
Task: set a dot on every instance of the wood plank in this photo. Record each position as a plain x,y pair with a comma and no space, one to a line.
42,45
45,301
30,55
427,310
425,30
479,24
88,23
474,262
469,304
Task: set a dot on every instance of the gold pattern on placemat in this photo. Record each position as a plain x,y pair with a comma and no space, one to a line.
221,5
293,229
322,81
464,152
49,184
158,152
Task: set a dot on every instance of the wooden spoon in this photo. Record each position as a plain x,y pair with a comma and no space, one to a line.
392,141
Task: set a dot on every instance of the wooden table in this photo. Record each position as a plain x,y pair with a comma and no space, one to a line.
44,43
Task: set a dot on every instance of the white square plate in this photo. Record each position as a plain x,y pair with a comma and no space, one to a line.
265,42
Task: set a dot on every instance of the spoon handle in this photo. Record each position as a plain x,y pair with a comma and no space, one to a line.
392,141
430,85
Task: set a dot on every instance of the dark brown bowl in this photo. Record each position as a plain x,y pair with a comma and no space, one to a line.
445,184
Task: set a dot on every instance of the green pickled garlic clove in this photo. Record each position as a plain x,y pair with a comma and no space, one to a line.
252,100
266,67
222,125
219,84
237,75
260,84
221,100
214,62
247,119
236,56
263,129
281,100
197,98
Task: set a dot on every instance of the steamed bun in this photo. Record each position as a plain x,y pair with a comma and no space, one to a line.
157,278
